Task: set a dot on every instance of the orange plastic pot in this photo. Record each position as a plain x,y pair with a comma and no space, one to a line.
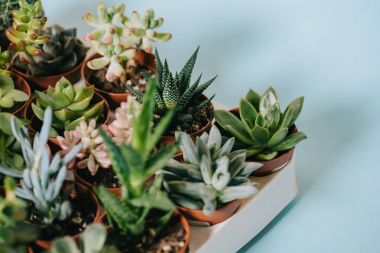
142,58
219,215
277,163
43,82
82,192
36,123
21,84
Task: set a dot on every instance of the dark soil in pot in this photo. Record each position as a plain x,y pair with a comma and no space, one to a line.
173,239
106,177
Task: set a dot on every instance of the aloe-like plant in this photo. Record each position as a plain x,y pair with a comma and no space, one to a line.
15,234
93,154
92,240
63,52
133,164
9,95
261,126
117,37
175,92
42,179
71,105
211,174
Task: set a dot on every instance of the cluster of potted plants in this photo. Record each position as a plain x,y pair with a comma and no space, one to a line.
146,147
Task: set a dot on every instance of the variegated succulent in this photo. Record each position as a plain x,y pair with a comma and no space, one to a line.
42,179
261,127
93,153
117,37
71,105
211,175
121,128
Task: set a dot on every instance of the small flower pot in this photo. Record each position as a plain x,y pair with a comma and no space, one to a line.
219,215
36,123
142,59
168,139
89,199
277,163
43,82
20,84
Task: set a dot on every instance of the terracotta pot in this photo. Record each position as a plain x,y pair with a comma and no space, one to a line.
277,163
36,123
79,179
186,227
168,139
82,192
219,215
21,84
43,82
142,58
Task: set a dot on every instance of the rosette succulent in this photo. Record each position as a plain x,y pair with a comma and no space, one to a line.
211,175
71,104
261,127
60,54
93,153
117,37
9,95
175,92
42,179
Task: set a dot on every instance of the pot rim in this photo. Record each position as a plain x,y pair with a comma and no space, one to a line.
20,81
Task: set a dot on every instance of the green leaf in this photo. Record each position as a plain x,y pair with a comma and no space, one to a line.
267,156
268,101
170,93
159,159
254,98
237,192
201,88
95,111
278,137
290,142
260,134
248,113
286,118
187,70
296,105
159,130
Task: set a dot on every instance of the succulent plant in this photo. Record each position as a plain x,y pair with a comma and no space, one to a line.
93,153
175,92
60,54
133,164
9,95
15,234
4,58
92,240
26,28
42,179
262,128
211,174
121,128
71,105
6,9
116,38
10,150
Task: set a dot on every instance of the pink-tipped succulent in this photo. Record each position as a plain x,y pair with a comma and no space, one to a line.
121,128
117,37
93,154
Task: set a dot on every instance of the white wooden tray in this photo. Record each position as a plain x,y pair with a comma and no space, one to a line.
276,191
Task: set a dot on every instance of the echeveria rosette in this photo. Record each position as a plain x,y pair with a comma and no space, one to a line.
62,53
9,95
71,104
211,174
261,126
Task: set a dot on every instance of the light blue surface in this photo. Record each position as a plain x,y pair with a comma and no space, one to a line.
327,50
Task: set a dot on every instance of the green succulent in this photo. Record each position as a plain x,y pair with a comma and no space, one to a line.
9,95
6,8
211,175
133,164
71,104
261,127
4,58
15,234
26,28
42,179
63,52
92,240
175,92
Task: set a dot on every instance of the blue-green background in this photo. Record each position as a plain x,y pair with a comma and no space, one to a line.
326,50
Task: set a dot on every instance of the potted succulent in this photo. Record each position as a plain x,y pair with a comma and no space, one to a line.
63,55
268,134
142,220
54,205
212,179
15,234
14,93
71,105
123,48
193,110
93,166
